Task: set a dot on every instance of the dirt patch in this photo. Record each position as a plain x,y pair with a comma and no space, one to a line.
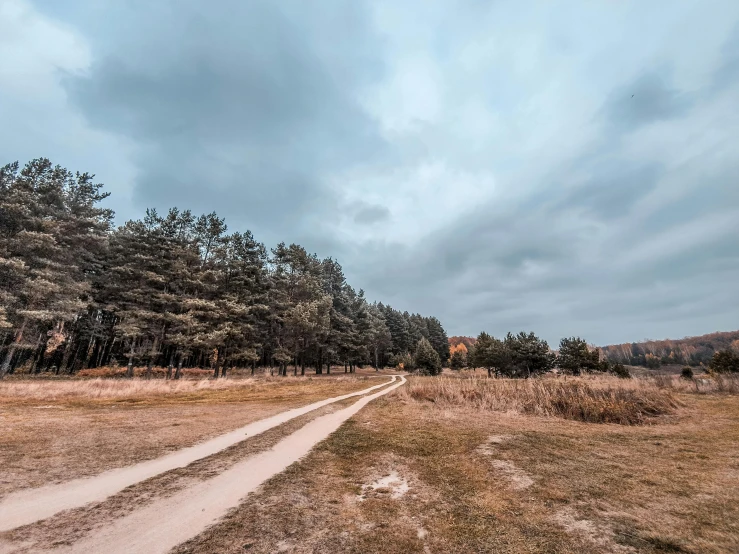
489,447
519,479
393,485
599,535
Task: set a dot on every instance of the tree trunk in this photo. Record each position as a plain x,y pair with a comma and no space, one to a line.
224,368
328,367
6,362
148,367
88,352
319,365
253,363
129,370
178,372
38,355
5,367
101,354
169,367
377,364
216,368
302,363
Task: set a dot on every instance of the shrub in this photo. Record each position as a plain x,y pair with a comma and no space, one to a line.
725,361
458,360
620,371
402,361
686,373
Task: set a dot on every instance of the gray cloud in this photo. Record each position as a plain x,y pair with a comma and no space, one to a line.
244,102
573,174
648,99
371,214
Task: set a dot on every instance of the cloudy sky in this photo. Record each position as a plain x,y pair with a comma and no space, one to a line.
561,167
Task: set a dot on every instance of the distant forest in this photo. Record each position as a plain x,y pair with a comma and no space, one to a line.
692,351
467,341
175,290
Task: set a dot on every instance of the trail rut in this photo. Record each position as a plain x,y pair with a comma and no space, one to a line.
31,505
165,523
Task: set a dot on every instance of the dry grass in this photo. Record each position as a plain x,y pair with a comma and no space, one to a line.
491,482
58,430
595,401
701,384
72,525
141,390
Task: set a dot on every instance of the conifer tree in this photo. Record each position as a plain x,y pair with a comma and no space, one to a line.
426,359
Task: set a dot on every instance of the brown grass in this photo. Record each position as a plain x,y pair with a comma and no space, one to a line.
701,384
72,525
602,401
97,391
491,482
58,430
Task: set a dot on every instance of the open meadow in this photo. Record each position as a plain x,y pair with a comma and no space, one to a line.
454,463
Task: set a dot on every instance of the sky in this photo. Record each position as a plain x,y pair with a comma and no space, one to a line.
567,168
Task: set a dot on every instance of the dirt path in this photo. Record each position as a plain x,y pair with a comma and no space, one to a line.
165,523
31,505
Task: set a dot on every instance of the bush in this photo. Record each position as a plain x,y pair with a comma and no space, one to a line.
620,371
402,361
686,373
426,358
458,360
725,361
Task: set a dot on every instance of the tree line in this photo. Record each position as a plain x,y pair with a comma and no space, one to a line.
525,355
175,290
692,351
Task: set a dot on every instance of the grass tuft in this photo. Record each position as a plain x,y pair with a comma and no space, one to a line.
602,401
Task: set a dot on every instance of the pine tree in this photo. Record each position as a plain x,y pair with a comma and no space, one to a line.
575,357
51,231
529,355
426,359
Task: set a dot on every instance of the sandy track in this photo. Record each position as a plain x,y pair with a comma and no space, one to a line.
31,505
165,523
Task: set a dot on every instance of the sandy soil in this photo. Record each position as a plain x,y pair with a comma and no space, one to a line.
29,505
192,510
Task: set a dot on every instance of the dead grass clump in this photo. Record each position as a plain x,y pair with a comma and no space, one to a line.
700,384
156,372
160,390
573,399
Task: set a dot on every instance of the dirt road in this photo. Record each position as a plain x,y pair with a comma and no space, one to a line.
167,522
31,505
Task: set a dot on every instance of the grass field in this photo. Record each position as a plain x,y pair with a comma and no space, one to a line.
59,430
457,463
415,474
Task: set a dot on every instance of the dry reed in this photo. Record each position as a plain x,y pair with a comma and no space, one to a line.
710,383
593,401
136,389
